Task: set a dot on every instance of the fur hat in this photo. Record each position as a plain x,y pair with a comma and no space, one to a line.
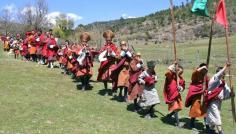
85,36
108,34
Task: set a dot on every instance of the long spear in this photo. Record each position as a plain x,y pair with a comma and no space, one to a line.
230,76
208,53
227,34
174,37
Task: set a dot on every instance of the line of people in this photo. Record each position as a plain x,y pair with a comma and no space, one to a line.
130,79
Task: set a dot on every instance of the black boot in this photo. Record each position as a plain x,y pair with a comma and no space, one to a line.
83,83
105,88
126,94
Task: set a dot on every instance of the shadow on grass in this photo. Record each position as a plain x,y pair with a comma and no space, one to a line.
118,98
105,92
79,87
143,112
198,125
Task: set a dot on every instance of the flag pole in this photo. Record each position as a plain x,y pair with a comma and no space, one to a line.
208,53
174,38
210,43
230,76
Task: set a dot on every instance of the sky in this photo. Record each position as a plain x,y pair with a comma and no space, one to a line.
89,11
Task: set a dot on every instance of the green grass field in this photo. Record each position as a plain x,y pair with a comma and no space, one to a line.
35,99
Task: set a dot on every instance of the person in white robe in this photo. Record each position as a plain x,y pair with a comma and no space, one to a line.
213,117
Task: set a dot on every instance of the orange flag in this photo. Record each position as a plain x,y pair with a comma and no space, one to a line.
221,15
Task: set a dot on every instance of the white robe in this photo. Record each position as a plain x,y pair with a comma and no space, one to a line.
149,96
213,117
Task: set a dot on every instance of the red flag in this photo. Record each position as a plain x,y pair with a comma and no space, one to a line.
221,15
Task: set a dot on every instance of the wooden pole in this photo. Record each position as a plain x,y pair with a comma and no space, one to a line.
174,39
210,42
231,16
208,53
230,76
173,28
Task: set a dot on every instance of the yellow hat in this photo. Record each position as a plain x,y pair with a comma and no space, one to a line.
138,54
123,43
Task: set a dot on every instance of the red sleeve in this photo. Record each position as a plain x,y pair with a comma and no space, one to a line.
195,76
182,82
168,75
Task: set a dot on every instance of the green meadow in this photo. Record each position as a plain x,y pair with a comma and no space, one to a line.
35,99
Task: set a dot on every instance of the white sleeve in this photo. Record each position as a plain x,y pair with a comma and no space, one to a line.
129,54
80,51
141,78
122,53
113,54
139,65
156,77
215,80
225,93
102,57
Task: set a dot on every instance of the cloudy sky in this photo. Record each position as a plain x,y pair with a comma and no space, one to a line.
88,11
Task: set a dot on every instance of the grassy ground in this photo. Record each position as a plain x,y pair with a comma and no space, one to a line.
35,99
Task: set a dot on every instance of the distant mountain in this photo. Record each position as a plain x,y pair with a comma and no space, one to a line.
157,26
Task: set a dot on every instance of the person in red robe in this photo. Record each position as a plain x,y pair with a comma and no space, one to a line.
44,38
32,46
52,51
39,47
60,54
196,91
107,58
85,61
75,48
16,48
135,89
25,47
64,57
172,89
120,74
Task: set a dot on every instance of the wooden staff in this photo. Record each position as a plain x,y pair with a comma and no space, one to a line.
231,15
173,28
174,39
209,52
230,76
210,42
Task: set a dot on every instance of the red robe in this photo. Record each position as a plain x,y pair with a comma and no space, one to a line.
107,66
213,95
196,87
86,68
64,57
121,68
52,51
171,92
43,44
24,50
134,88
